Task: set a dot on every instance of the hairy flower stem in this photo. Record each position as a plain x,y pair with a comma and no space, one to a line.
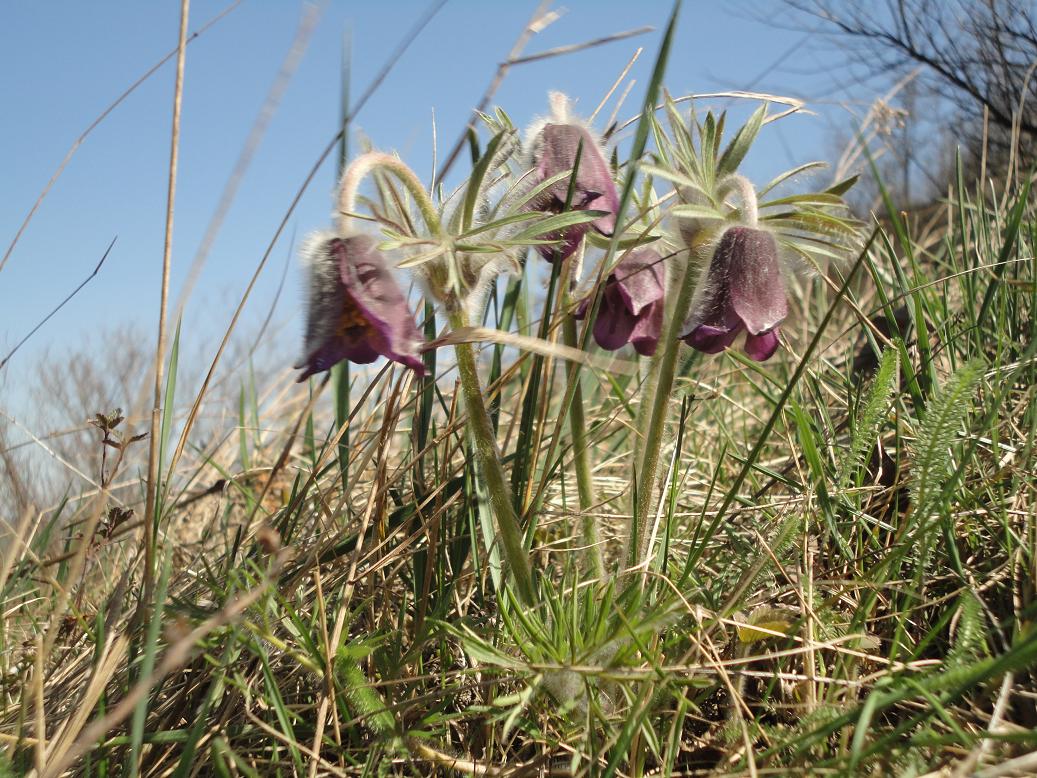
502,505
479,425
648,463
651,380
746,193
360,167
578,424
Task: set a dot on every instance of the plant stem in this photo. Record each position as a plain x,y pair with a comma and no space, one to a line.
479,425
651,380
502,504
151,517
746,193
366,163
578,424
649,460
662,376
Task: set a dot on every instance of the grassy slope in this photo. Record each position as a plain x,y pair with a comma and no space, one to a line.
881,543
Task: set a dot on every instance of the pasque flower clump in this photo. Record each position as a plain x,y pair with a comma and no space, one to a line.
699,266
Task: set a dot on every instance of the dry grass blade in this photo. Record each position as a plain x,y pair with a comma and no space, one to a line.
15,542
572,48
534,345
150,532
106,667
174,657
615,85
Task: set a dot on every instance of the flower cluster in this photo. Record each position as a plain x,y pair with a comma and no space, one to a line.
358,312
741,290
713,270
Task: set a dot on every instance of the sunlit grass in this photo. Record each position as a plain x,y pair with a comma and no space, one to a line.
837,573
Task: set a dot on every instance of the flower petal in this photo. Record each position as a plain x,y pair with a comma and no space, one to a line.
557,146
711,304
761,347
333,351
570,241
614,323
640,277
609,202
710,339
581,309
649,329
373,288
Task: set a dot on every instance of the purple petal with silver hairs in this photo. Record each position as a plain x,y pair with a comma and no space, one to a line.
743,290
631,309
356,309
554,152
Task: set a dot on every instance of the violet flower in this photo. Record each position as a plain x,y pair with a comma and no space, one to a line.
631,309
743,290
356,310
553,150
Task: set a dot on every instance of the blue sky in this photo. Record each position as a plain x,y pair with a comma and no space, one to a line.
64,62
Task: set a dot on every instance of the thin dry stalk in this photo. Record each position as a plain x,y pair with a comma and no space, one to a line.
160,349
539,21
615,85
308,22
574,47
38,706
329,687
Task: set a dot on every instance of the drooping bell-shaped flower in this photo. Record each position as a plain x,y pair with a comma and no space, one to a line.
355,310
553,148
631,308
743,290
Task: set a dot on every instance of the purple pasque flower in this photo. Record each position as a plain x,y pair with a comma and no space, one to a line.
356,310
743,290
631,309
553,151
